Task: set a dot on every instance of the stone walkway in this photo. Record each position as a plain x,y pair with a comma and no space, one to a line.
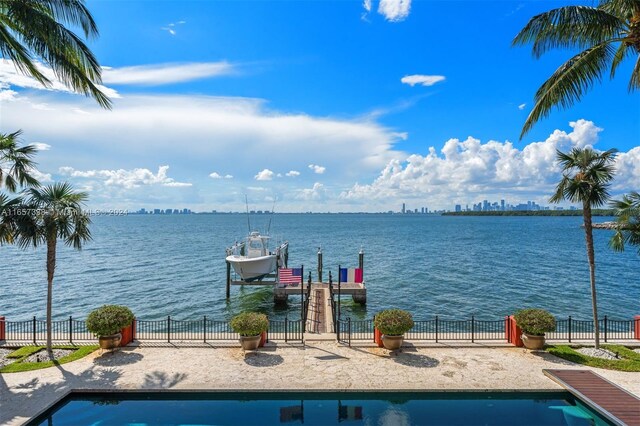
319,365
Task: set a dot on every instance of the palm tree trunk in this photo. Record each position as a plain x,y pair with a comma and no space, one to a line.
588,230
51,266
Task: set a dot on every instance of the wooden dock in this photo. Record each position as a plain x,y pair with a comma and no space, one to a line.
608,399
358,291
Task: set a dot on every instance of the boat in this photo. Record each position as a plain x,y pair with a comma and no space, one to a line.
252,260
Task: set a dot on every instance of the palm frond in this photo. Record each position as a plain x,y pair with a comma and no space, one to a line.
11,48
569,27
569,82
634,82
623,9
73,12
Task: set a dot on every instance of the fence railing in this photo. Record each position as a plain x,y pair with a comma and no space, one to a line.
472,330
571,330
166,330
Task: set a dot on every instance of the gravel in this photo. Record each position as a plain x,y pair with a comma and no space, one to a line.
598,353
42,355
3,357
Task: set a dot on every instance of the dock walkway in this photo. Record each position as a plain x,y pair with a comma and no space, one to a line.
600,394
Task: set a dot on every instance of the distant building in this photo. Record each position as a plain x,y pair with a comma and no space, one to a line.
157,211
168,211
403,208
458,208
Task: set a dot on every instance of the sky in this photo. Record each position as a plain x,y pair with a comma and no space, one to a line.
320,105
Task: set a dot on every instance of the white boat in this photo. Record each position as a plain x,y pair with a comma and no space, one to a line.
252,260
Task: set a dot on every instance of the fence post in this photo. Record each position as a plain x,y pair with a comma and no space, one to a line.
70,329
34,330
605,329
286,323
204,335
636,327
349,330
569,326
507,328
473,329
436,329
168,328
3,329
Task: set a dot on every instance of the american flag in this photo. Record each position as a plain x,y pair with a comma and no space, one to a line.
290,275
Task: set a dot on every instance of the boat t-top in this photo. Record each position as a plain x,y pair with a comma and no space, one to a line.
252,260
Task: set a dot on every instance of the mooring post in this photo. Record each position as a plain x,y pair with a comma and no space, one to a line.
339,292
228,280
361,260
319,264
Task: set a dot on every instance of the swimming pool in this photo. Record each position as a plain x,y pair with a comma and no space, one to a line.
319,408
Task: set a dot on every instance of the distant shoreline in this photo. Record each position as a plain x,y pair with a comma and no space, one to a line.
595,212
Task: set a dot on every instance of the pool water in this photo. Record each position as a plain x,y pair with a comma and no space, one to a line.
320,408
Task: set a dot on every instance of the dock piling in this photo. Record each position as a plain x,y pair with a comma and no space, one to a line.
361,260
228,280
319,264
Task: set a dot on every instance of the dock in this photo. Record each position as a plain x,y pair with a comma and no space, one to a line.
608,399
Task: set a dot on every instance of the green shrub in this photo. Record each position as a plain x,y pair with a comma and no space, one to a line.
393,322
109,319
535,321
249,323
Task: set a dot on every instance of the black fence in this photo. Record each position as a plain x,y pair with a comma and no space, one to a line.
167,330
472,330
571,330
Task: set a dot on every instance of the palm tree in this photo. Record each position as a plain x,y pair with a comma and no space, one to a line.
606,35
55,212
585,178
35,29
628,231
16,165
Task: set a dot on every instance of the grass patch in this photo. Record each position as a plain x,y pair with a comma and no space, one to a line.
630,360
24,352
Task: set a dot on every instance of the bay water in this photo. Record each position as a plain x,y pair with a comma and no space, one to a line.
449,266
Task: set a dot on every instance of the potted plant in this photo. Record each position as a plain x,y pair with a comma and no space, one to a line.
534,323
106,323
393,323
250,326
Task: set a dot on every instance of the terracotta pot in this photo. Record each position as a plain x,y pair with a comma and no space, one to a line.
532,342
392,342
110,342
250,343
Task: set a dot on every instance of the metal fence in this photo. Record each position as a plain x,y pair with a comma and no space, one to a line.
167,330
472,330
571,330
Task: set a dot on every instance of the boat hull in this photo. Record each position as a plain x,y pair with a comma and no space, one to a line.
252,269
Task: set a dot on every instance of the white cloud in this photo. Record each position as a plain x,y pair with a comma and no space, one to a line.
292,173
317,169
9,76
170,28
521,106
40,176
147,128
423,80
158,74
126,178
317,192
367,5
216,175
8,95
628,170
470,169
41,146
265,174
394,10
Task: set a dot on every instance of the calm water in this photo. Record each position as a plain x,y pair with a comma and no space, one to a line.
449,266
324,409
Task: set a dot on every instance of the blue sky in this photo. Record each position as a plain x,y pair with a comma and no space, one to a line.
304,101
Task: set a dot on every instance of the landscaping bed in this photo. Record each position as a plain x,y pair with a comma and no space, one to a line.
622,358
29,358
